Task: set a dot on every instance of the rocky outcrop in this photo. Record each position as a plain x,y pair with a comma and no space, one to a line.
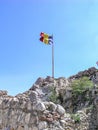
89,73
33,110
28,112
48,105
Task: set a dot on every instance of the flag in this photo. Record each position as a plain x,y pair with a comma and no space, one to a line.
47,39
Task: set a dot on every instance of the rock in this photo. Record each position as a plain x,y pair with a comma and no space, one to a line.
20,128
60,110
34,87
42,125
2,93
50,105
35,128
96,101
39,81
33,96
39,107
27,118
90,72
49,79
33,110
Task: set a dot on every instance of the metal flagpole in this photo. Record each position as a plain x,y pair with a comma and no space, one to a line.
53,64
53,60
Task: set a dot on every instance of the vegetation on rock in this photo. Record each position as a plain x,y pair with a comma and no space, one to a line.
76,117
53,97
79,86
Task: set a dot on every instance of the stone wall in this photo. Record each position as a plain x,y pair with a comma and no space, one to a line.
28,112
35,110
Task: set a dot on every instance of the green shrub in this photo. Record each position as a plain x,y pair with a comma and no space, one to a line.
81,85
90,108
53,97
76,117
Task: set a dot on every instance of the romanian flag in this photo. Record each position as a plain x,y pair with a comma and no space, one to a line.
47,39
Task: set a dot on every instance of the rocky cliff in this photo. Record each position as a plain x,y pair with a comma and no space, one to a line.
53,104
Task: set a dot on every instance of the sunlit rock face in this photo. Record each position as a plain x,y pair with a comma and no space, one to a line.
49,105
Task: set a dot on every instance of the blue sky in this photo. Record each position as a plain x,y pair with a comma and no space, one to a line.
23,58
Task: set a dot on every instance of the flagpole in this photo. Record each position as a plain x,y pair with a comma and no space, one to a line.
48,40
52,60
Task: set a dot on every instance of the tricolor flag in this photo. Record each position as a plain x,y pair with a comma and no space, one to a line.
47,39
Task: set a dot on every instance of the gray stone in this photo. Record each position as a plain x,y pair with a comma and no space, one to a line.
32,109
39,107
27,118
42,125
60,110
20,128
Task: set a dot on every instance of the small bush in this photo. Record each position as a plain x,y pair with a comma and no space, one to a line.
81,85
76,117
89,109
53,97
